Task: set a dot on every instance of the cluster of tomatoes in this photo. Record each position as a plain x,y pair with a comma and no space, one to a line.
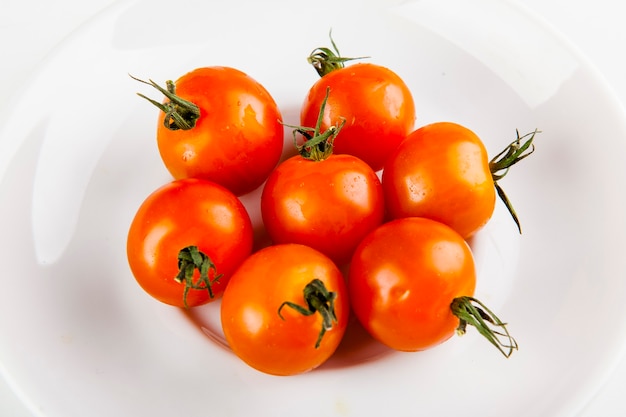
390,248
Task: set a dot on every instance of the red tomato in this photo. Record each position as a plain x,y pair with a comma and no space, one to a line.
441,171
181,228
234,137
329,205
285,310
376,104
411,283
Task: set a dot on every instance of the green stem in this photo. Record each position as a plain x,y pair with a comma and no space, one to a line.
471,311
499,166
180,114
191,259
318,300
317,146
326,60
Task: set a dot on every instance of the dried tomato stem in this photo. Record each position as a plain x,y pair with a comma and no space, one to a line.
471,311
318,300
180,114
318,146
191,259
499,166
326,60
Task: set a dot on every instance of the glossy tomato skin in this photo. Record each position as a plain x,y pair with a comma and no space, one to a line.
183,213
441,171
249,310
403,278
375,102
329,205
238,138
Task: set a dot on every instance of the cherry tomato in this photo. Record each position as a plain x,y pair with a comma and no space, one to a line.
325,201
329,205
403,277
218,123
186,240
442,171
411,283
376,104
285,310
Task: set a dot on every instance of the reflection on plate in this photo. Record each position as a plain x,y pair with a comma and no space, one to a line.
78,156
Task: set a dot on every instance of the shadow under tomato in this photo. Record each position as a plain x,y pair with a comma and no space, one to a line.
356,347
207,319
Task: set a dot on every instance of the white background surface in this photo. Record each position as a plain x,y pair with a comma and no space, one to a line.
30,29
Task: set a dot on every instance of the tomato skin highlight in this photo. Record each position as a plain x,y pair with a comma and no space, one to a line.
375,102
238,138
441,171
180,214
403,278
249,311
329,205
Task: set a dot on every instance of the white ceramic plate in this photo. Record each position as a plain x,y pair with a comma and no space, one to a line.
78,337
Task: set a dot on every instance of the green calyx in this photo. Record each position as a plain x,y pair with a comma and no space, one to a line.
191,259
471,311
318,300
318,145
499,166
326,60
180,114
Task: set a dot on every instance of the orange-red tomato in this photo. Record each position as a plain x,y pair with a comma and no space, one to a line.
374,101
259,311
237,139
329,205
404,277
441,171
183,215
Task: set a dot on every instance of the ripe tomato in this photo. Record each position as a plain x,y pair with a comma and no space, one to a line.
329,205
411,283
442,171
376,104
285,310
325,201
218,123
185,227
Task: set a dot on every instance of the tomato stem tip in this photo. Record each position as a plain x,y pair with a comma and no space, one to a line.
318,300
317,145
180,114
190,259
473,312
499,166
326,60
